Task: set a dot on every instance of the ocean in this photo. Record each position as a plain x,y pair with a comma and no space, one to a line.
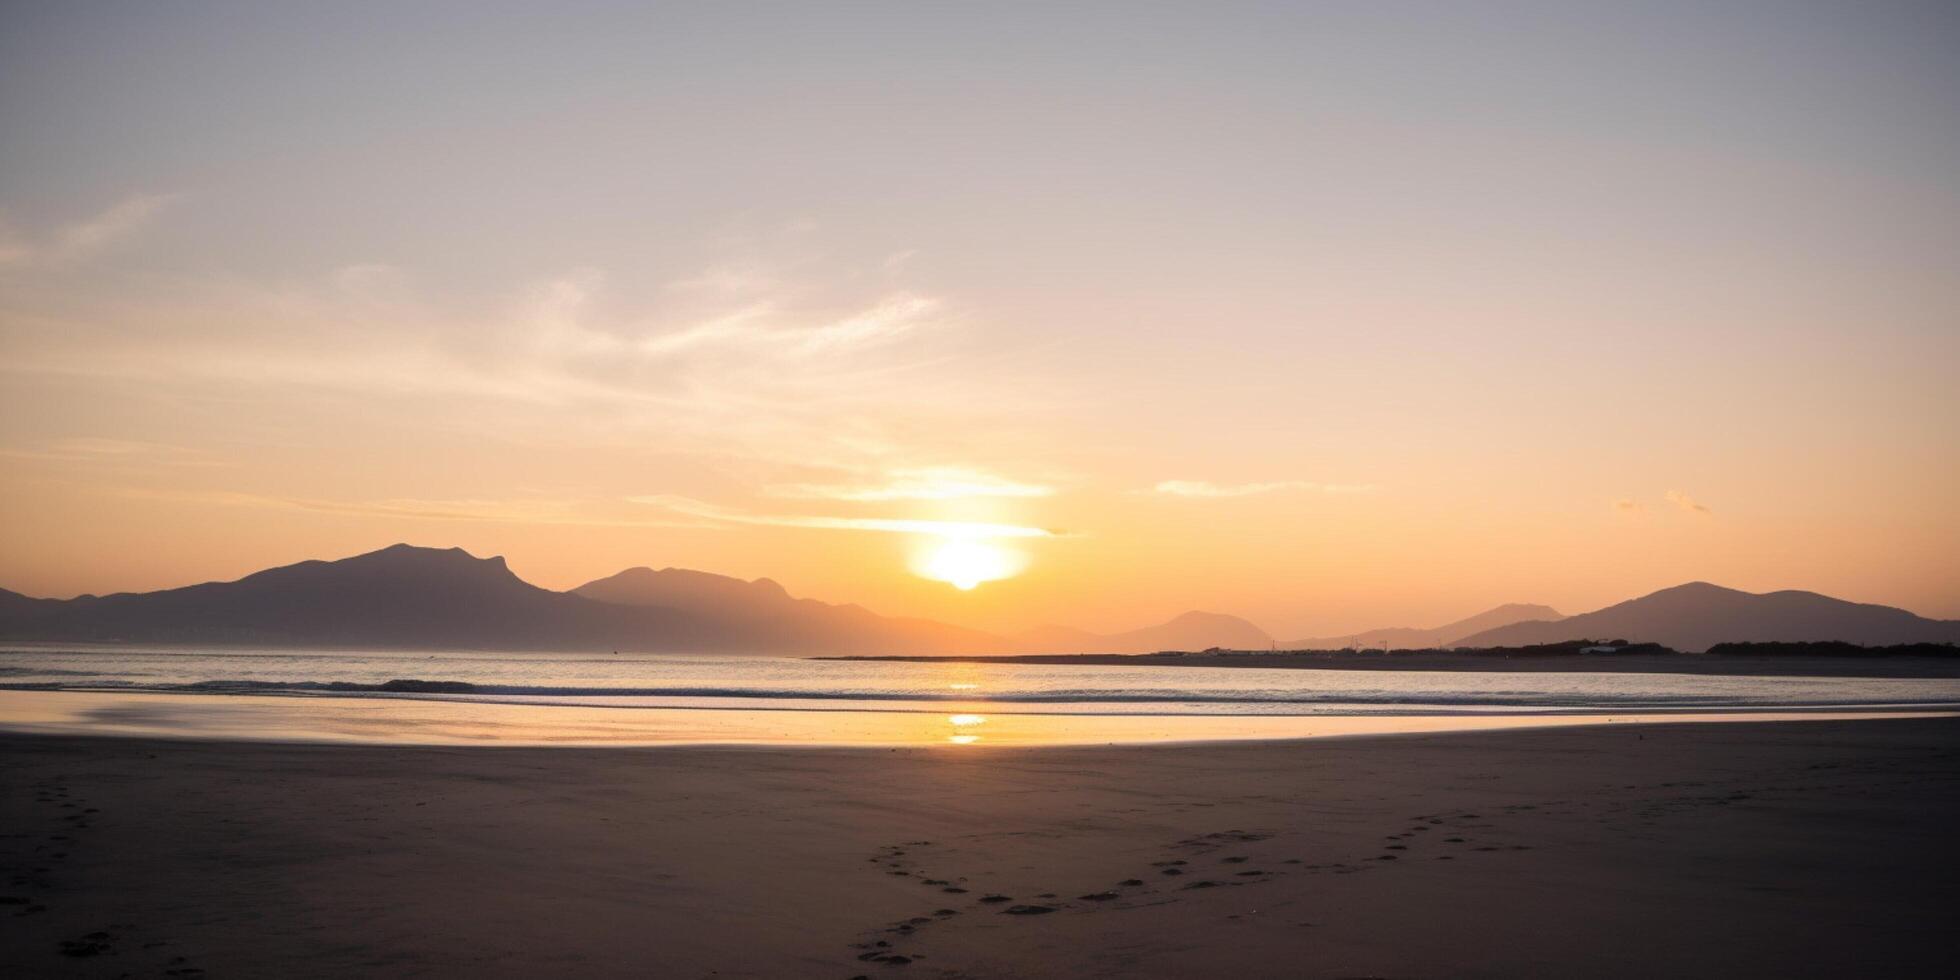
557,698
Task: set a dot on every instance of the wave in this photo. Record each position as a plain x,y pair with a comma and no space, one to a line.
520,693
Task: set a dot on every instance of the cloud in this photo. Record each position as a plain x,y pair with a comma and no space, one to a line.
751,328
1626,505
896,261
802,379
89,236
1205,488
785,377
949,529
569,512
924,483
1685,502
124,452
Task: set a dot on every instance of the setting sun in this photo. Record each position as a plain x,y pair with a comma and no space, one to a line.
882,489
964,563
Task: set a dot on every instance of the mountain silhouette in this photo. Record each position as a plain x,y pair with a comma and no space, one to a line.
1698,615
1189,631
1407,638
401,596
767,617
406,597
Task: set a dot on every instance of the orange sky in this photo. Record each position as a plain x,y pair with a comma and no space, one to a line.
1333,319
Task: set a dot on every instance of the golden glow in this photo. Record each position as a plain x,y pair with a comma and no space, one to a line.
962,722
964,563
386,721
809,383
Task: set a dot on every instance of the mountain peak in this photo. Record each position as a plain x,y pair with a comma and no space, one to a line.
416,558
1191,630
1698,588
1694,616
685,588
1408,638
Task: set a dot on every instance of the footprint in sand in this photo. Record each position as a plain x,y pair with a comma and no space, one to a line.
93,944
1028,910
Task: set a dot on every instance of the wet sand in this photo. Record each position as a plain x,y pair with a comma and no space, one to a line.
1819,848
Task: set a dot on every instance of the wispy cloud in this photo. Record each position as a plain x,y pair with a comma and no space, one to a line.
949,529
1627,505
1687,503
754,328
568,512
95,449
1205,488
923,483
783,377
89,236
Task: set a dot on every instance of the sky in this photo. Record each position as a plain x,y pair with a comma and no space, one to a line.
1329,315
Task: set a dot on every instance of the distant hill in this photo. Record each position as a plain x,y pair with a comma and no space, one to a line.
400,596
1405,638
426,598
766,617
1698,615
1190,631
406,597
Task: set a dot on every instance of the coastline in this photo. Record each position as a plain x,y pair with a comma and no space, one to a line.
1428,660
1749,849
437,720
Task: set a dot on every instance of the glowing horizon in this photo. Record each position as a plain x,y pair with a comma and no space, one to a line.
1333,318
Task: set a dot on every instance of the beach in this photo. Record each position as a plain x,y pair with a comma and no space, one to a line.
1815,848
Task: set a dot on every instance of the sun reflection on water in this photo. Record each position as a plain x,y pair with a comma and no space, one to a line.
960,722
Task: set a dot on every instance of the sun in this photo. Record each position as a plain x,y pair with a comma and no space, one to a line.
964,563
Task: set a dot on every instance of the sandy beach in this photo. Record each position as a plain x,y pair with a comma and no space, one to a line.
1747,849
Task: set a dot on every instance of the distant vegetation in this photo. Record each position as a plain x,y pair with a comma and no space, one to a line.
1833,648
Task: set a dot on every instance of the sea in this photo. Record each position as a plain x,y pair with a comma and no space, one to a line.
446,697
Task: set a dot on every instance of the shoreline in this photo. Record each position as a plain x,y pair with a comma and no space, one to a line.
1881,666
431,721
1758,849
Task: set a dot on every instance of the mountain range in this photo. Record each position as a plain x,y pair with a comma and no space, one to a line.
426,598
1189,631
1696,616
1440,637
